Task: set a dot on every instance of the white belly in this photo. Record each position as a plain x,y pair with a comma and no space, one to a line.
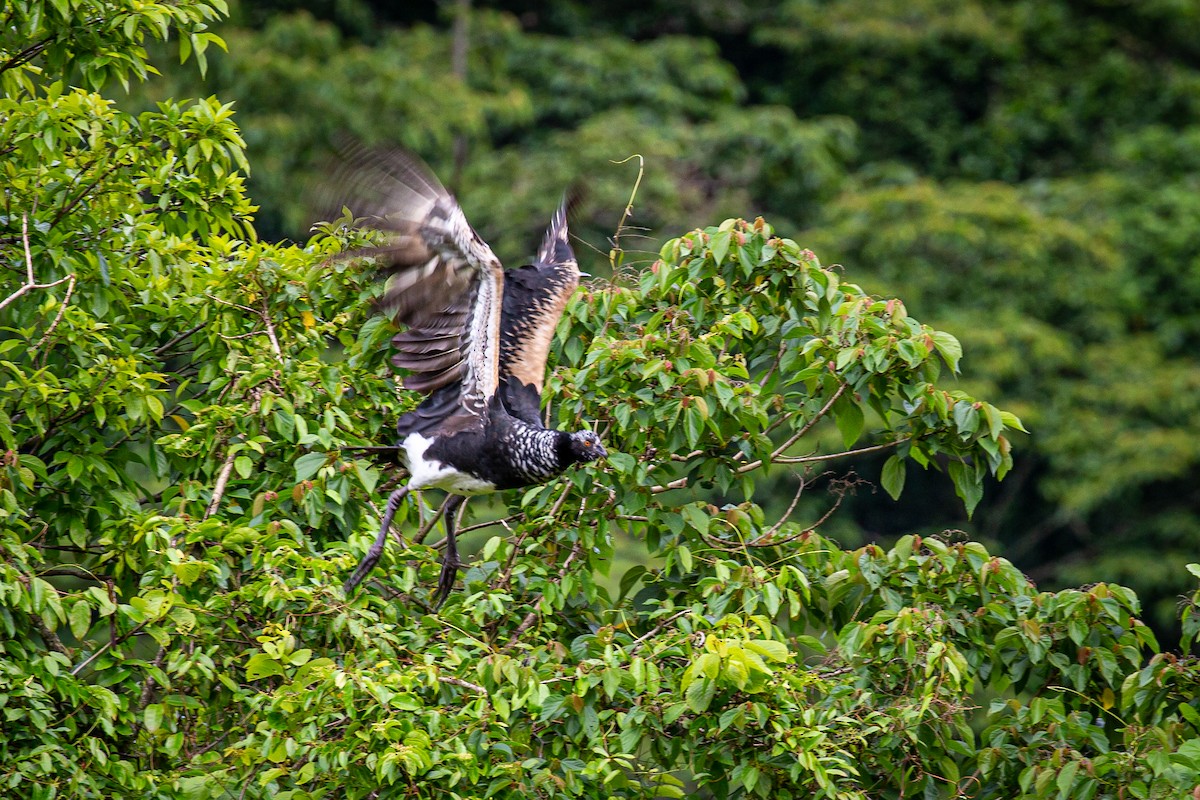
427,473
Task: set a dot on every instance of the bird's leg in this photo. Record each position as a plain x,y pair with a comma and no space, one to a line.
376,550
450,562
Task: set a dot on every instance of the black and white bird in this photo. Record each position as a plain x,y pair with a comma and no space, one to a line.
475,342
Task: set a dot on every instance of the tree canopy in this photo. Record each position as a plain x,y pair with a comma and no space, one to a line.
1058,138
178,506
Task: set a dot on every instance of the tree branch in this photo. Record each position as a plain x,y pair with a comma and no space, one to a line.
783,448
48,636
31,282
680,483
428,526
26,55
111,643
219,487
58,317
464,684
158,351
875,448
641,640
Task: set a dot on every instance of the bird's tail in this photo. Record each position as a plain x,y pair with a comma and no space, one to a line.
556,244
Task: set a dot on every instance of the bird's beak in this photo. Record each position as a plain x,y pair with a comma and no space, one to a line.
600,451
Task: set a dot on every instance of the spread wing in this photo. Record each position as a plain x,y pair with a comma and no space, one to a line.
534,299
444,284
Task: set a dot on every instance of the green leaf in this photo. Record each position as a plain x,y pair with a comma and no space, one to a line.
696,516
1012,421
80,618
630,579
892,478
848,416
770,649
622,462
700,694
966,484
152,717
189,571
244,466
261,665
308,464
719,245
1066,780
948,347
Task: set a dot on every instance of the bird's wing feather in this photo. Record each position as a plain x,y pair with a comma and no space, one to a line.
443,281
534,299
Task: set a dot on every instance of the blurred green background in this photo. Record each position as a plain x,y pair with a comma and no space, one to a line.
1023,173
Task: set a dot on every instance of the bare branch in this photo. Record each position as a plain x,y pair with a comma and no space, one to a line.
428,526
792,507
464,684
489,523
839,489
158,351
266,318
641,640
48,636
58,317
875,448
31,282
149,685
783,448
778,356
666,487
112,642
219,487
26,55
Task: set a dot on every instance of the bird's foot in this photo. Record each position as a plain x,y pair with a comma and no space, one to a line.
446,581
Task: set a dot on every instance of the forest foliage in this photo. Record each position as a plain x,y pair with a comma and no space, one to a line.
1029,163
178,509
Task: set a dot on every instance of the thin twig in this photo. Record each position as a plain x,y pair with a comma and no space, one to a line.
628,208
266,318
759,542
61,310
666,487
489,523
460,682
158,351
30,282
778,357
428,526
783,448
219,487
70,206
72,570
875,448
26,55
107,646
792,507
641,640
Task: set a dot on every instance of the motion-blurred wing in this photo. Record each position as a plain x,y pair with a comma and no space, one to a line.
444,283
534,299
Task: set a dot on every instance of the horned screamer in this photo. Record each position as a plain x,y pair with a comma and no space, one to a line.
475,342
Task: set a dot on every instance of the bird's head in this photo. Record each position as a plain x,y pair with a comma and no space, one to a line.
585,446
